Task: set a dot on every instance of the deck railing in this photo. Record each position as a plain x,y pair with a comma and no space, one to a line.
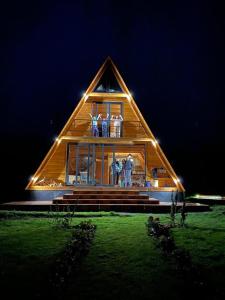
107,129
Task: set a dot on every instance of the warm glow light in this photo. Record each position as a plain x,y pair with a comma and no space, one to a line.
58,140
85,96
155,183
176,180
128,97
213,197
154,143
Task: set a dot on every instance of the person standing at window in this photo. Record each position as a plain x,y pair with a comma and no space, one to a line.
95,131
112,127
122,174
116,169
105,126
128,170
117,125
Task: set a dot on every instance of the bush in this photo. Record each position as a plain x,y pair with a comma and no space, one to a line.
155,228
77,247
61,220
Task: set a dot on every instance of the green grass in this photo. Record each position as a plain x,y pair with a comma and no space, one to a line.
28,248
6,214
123,261
205,239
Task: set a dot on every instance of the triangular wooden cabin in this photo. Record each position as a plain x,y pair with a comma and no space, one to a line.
85,152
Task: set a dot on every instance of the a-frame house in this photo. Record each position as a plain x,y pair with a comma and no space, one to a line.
104,130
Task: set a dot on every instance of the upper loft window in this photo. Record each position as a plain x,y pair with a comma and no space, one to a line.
108,83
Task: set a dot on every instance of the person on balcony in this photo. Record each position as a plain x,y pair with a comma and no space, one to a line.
105,126
95,131
116,132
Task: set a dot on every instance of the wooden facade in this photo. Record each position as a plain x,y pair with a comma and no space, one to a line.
76,142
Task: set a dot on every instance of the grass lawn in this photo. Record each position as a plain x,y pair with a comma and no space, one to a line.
123,261
28,247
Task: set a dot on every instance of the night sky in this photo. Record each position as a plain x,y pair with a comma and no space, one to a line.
170,54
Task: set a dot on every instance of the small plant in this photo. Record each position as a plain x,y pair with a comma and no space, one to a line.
85,225
157,229
66,263
173,209
183,215
162,233
166,243
61,219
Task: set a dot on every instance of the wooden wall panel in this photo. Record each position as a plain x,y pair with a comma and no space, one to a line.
153,161
166,182
129,114
56,166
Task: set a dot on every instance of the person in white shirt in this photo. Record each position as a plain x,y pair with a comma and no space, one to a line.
116,132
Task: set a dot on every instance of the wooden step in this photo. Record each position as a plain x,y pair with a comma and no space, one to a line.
104,196
140,208
115,207
105,201
105,191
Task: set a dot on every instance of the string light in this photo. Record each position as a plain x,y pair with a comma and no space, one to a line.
58,140
176,180
85,95
128,96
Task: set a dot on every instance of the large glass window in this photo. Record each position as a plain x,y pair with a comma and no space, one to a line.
101,164
107,119
108,83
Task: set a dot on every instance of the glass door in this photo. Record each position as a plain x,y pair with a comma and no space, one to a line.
101,164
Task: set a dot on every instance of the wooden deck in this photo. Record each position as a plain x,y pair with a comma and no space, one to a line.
162,207
103,199
105,188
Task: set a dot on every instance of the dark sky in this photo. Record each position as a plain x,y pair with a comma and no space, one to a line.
170,54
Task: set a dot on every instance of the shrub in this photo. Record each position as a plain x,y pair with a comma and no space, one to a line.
77,247
61,219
